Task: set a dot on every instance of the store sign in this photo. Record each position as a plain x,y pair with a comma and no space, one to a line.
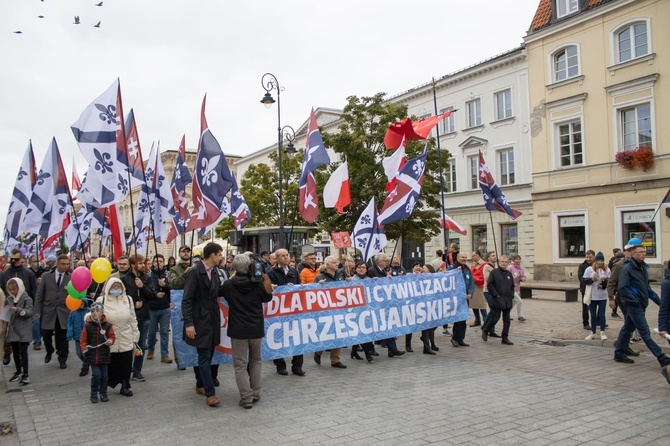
572,221
638,217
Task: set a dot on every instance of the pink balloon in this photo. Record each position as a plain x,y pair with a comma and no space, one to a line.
81,278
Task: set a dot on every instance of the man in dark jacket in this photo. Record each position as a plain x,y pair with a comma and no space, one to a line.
588,261
202,319
327,274
246,327
138,288
501,288
613,291
51,310
283,274
635,293
16,269
159,309
664,314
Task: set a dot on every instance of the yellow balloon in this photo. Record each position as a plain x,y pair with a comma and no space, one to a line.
100,269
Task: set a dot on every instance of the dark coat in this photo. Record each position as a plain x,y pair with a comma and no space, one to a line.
159,303
501,288
50,301
25,274
245,302
278,277
664,310
325,275
375,271
580,273
144,294
634,289
467,277
200,307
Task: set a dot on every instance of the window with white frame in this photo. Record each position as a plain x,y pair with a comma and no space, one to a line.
571,235
503,101
566,7
565,63
506,163
631,41
450,176
640,224
448,124
570,148
635,125
474,112
473,162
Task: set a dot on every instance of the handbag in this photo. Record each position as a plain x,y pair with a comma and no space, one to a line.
587,294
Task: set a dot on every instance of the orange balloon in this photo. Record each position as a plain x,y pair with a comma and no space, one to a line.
72,303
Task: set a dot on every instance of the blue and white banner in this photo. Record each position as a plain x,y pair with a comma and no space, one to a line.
309,318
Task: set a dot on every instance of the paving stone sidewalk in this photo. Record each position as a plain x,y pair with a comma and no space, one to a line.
488,393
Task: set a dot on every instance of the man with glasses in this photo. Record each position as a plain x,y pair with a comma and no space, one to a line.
18,270
309,271
635,293
284,274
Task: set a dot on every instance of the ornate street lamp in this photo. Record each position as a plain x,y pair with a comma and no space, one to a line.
269,83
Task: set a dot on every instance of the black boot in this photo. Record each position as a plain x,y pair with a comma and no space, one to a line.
355,355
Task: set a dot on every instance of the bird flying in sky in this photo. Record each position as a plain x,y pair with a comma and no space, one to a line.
97,25
76,20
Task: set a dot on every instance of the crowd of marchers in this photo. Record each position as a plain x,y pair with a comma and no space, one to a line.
119,324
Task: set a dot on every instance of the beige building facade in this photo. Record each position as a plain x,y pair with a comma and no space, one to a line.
598,86
491,115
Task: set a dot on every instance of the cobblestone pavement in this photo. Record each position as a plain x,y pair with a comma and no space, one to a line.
527,394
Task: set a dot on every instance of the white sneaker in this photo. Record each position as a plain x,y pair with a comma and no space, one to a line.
602,336
590,336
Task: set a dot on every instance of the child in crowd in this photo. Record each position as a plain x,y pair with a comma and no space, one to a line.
19,328
75,324
96,337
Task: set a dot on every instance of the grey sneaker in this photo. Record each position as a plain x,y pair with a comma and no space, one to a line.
137,376
25,380
15,377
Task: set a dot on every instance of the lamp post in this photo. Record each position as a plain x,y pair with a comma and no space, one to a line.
269,82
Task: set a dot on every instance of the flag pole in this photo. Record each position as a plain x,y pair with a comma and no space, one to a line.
495,243
190,261
104,218
439,161
76,224
402,229
651,220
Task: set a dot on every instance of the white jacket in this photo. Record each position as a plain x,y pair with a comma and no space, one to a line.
120,312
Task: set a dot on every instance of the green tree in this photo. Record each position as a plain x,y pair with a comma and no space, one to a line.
259,186
360,141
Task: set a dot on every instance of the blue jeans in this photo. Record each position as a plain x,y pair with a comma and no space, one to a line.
143,327
597,309
204,378
99,378
37,332
77,349
635,319
489,316
162,318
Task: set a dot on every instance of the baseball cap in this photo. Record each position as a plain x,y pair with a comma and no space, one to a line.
185,248
632,243
52,258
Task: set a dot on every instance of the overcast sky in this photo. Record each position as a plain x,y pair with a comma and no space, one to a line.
169,53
